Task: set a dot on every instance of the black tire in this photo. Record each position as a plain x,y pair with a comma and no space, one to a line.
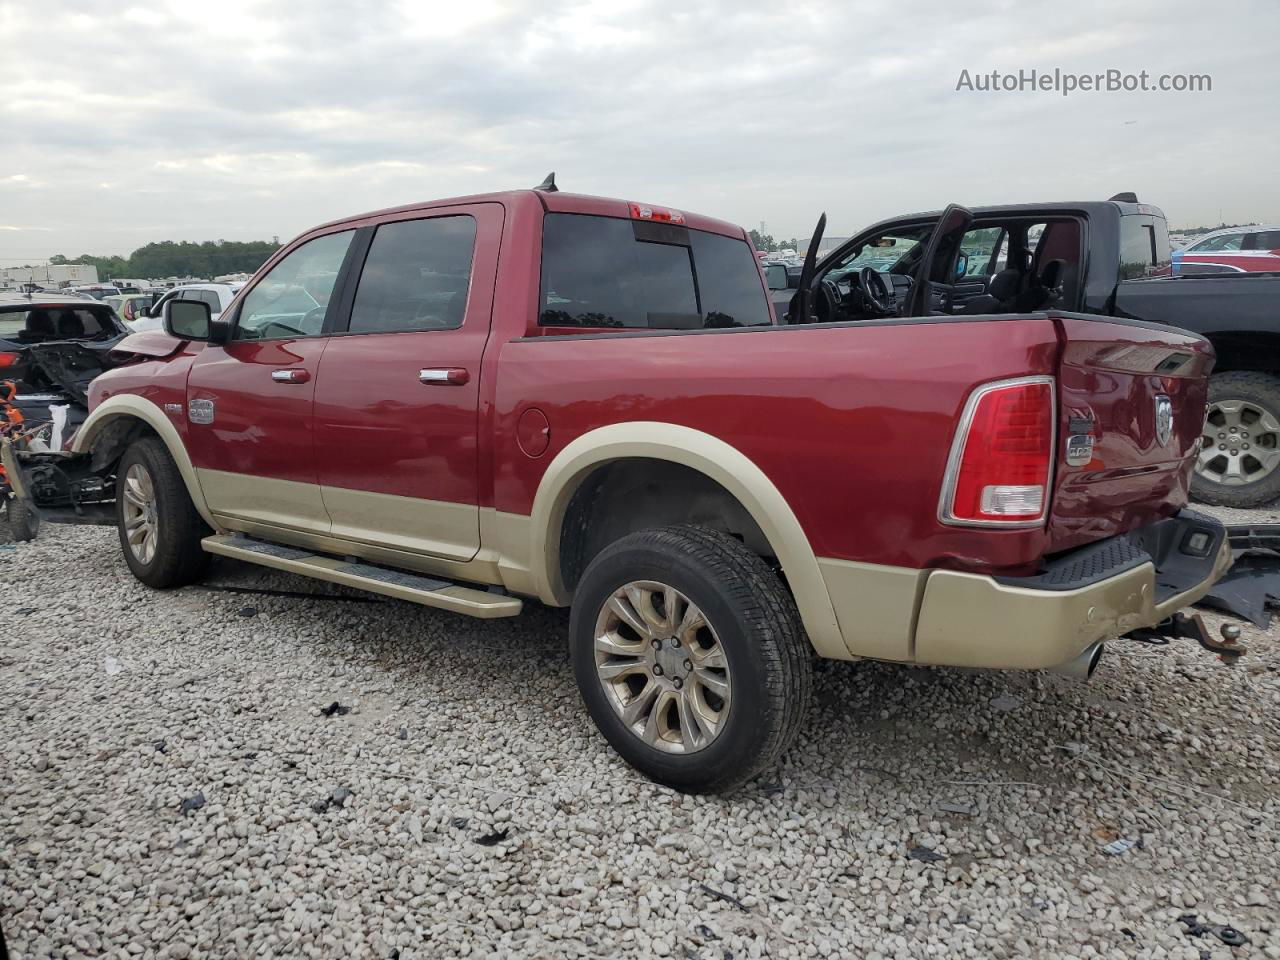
178,558
1263,391
770,660
23,520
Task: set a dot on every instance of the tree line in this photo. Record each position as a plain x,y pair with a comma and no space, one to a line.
764,242
171,259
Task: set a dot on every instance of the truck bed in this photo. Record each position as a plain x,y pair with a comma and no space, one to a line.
854,422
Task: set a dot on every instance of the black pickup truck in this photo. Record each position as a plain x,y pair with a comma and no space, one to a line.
1107,257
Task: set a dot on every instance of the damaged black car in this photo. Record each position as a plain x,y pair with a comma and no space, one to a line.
51,347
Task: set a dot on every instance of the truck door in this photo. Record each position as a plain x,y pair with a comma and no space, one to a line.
397,396
933,288
249,401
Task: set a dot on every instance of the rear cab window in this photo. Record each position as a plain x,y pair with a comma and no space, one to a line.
606,272
41,324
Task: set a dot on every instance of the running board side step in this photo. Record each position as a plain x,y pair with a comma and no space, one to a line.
428,591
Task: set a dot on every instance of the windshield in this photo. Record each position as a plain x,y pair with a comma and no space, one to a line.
881,253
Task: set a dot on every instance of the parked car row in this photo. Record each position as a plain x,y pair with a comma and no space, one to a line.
1232,250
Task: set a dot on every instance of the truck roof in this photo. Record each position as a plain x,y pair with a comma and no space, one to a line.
552,202
1088,207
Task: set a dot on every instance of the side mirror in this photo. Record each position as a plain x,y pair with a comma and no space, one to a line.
776,274
962,265
187,319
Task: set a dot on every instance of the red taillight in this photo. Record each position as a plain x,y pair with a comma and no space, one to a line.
642,211
8,360
1001,461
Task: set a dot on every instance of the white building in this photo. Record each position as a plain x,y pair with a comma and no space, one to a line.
49,275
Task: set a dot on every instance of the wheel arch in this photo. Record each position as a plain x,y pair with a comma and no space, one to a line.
1253,351
717,461
118,420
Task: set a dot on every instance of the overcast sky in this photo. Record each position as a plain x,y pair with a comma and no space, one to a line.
243,120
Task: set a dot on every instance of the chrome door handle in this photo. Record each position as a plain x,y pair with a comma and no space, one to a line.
444,376
290,376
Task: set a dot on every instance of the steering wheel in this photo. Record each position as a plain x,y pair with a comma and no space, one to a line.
875,290
828,302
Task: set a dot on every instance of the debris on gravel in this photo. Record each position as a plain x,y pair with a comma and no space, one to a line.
192,803
103,853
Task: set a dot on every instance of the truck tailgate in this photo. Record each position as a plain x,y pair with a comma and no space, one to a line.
1132,404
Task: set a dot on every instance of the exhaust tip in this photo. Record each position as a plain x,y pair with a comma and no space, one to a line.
1082,666
1094,660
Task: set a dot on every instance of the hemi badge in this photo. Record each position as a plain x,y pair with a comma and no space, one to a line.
174,408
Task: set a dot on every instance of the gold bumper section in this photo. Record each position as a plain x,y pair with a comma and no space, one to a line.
968,620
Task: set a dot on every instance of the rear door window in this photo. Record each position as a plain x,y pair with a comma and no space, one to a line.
1263,240
982,248
1144,247
204,296
416,276
608,272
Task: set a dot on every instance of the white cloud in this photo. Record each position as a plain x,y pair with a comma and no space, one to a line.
254,118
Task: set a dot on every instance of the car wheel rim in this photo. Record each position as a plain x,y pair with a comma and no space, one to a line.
140,527
1240,443
662,667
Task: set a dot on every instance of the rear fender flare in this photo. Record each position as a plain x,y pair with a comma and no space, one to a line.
710,456
140,408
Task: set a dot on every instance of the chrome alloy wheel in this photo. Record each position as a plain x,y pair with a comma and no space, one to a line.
1240,444
141,527
662,667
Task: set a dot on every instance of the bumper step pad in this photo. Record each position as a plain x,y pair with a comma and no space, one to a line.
428,591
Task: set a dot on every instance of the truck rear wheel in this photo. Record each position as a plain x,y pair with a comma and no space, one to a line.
160,529
690,657
1239,461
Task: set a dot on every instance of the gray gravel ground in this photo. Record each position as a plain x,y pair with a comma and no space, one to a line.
486,817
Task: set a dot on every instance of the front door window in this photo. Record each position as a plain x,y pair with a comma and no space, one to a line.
292,300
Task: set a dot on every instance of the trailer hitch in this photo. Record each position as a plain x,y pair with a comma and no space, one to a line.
1183,626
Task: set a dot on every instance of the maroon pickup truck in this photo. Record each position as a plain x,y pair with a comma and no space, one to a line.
477,402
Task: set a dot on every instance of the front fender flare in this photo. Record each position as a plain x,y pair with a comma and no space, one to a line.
712,457
140,408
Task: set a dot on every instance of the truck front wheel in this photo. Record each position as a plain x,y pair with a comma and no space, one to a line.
160,529
690,657
1240,447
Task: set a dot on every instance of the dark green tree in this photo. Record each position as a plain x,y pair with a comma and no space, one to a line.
169,259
